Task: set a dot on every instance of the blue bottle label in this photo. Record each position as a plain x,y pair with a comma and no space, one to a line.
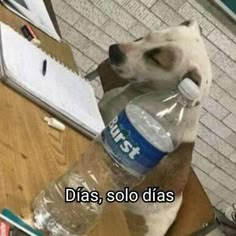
128,147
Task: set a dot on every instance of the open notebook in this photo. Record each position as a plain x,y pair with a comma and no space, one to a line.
60,91
35,12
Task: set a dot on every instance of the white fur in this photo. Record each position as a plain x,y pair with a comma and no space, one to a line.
147,77
158,216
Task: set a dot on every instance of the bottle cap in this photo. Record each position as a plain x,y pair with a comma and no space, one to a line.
189,89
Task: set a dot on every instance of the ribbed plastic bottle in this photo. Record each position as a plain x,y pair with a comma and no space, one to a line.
132,144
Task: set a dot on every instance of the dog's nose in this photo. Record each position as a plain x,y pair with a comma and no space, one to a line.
116,55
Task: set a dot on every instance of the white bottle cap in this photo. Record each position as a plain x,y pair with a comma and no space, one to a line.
189,89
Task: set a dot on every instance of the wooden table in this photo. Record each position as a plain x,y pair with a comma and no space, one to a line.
31,153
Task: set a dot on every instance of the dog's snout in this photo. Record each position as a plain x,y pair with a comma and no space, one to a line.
116,55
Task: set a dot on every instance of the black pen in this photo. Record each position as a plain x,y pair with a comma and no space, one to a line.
44,67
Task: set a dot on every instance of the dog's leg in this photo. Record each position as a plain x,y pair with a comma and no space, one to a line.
160,222
114,101
111,105
156,217
108,96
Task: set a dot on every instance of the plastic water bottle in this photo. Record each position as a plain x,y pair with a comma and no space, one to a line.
128,148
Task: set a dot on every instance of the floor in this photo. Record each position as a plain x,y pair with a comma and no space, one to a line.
90,26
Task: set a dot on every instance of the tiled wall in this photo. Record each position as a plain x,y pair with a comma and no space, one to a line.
90,26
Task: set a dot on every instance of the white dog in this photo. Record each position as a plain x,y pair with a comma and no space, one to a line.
158,62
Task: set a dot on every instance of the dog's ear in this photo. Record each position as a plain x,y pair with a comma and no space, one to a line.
194,75
167,56
192,24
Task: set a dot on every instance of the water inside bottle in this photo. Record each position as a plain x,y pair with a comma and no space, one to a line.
60,218
150,128
76,219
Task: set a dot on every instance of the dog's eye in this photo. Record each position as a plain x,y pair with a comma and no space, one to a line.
139,39
154,59
153,56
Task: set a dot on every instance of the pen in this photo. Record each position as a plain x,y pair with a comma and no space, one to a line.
44,67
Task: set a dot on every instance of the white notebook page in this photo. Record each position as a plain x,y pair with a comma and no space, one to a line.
59,88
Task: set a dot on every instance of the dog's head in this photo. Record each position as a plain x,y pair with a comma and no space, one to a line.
164,58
